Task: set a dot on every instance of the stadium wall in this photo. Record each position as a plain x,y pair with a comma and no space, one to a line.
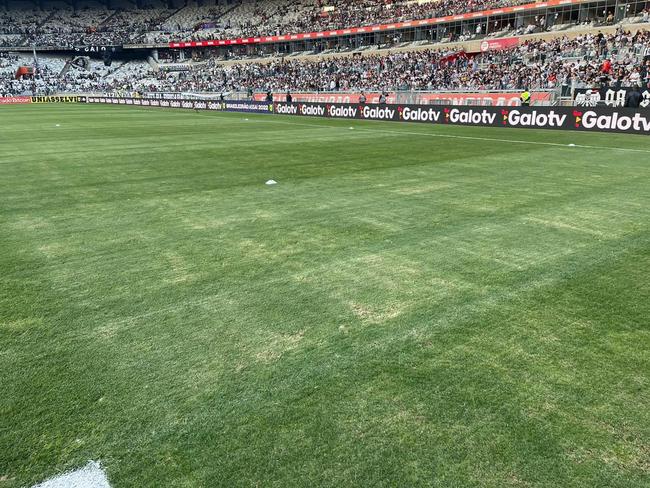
502,98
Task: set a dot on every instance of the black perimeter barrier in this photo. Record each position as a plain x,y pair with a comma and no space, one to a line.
595,119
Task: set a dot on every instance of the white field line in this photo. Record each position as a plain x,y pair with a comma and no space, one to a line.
90,476
451,136
517,141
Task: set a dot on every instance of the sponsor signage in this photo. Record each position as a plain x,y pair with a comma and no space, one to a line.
373,28
58,99
14,100
227,106
608,97
230,106
597,119
499,44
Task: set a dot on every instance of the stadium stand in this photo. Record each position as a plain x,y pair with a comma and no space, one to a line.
580,62
98,25
618,57
185,21
290,17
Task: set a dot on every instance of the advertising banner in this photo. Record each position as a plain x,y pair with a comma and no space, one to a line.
227,105
567,118
59,99
607,97
231,106
14,100
596,119
499,44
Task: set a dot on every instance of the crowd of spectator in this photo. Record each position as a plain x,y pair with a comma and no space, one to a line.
340,14
117,28
68,27
248,18
59,75
621,59
581,62
251,19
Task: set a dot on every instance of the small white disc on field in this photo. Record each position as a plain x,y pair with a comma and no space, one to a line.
58,125
271,182
572,145
351,128
246,119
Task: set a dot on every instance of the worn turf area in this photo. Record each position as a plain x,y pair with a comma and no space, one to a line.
404,309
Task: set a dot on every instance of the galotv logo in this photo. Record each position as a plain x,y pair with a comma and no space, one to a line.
534,119
420,114
615,121
287,109
377,113
342,111
316,110
476,117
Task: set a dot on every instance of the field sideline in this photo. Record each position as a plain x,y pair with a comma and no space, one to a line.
411,305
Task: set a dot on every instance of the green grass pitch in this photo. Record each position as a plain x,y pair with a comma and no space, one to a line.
411,305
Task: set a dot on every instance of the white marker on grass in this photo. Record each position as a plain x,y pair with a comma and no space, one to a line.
90,476
572,145
271,182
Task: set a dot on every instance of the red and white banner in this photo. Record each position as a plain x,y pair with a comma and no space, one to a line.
375,28
338,97
14,100
487,99
499,44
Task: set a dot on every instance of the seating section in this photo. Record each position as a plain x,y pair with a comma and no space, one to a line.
93,23
87,25
22,21
76,79
275,17
290,17
583,61
620,59
183,23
